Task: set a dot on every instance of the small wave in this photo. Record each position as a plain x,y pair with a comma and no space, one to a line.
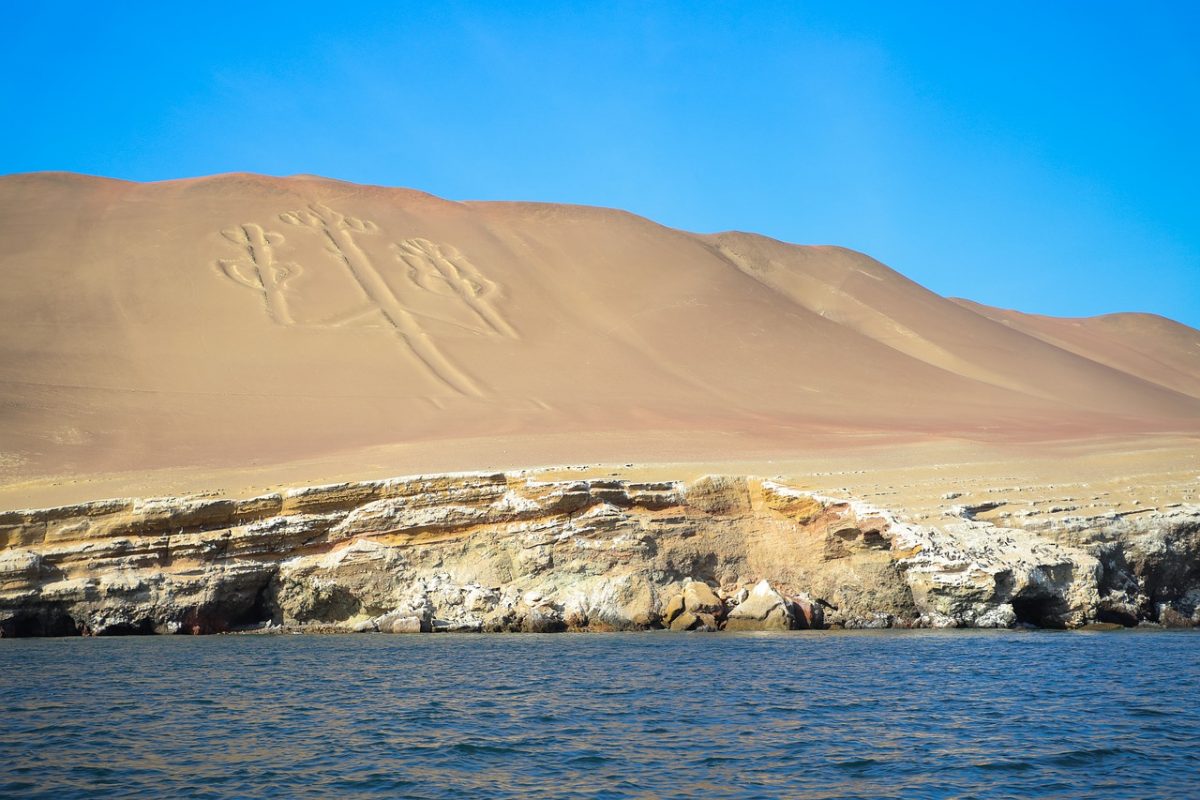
1149,712
1005,766
587,760
1085,756
472,748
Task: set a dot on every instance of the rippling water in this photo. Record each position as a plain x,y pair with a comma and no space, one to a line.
862,715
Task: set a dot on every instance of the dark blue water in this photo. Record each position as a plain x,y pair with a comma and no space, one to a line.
866,715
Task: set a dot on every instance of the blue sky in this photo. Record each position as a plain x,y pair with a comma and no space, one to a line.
1040,156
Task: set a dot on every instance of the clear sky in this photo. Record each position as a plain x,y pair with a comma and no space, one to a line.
1042,156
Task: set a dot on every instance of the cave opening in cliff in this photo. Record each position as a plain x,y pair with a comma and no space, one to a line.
261,610
1124,617
1041,612
48,622
140,627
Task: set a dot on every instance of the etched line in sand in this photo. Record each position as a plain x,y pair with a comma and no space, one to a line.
443,270
438,269
259,270
338,229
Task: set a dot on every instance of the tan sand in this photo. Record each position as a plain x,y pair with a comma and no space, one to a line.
240,331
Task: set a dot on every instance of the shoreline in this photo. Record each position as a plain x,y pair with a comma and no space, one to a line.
1143,628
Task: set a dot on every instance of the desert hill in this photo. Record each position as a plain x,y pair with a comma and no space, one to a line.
242,320
1151,347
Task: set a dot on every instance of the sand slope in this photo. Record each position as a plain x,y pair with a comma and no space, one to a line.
1151,347
244,320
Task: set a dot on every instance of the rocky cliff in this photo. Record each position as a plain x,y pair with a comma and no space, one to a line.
509,552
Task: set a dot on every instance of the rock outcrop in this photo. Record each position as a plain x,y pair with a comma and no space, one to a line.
697,607
764,609
510,552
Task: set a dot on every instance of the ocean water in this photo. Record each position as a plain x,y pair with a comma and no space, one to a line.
803,715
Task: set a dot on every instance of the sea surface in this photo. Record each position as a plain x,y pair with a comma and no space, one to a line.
802,715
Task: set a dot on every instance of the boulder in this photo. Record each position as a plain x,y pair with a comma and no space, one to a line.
632,604
808,613
685,621
695,599
408,618
876,621
1115,611
461,625
405,624
503,617
764,609
674,608
543,618
1170,616
617,603
691,621
699,598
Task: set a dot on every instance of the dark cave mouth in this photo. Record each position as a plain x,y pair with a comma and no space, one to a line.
1040,612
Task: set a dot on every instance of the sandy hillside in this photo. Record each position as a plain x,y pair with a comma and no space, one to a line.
1151,347
241,323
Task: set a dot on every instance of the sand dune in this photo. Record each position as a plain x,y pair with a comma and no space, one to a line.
241,320
1151,347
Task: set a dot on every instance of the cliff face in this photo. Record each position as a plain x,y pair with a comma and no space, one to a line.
500,552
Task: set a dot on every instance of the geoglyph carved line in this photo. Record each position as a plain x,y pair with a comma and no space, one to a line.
258,269
346,319
338,229
442,269
438,269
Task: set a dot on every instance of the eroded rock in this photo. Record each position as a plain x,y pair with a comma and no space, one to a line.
496,552
764,609
697,604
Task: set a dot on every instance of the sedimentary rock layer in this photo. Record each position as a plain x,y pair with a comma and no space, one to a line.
510,551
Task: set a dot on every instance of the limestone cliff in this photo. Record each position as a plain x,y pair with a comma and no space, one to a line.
507,552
